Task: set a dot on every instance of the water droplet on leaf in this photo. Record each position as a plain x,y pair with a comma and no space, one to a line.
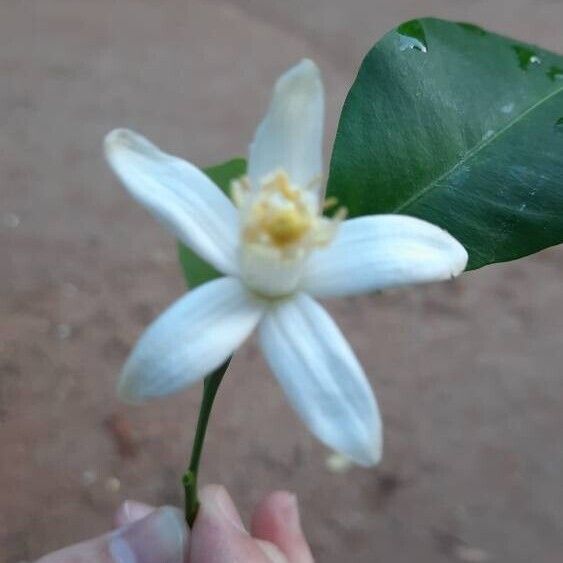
526,57
472,28
555,73
508,108
412,36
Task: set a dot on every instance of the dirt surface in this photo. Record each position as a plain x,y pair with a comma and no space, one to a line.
468,374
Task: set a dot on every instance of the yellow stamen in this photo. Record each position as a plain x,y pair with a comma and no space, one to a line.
280,216
286,226
330,202
240,189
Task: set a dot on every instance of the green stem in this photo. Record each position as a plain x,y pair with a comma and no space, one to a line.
189,480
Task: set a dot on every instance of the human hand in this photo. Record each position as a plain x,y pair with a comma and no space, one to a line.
148,535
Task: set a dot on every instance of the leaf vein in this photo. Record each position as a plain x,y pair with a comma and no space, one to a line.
441,180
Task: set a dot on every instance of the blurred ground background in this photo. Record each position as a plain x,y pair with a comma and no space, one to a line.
468,374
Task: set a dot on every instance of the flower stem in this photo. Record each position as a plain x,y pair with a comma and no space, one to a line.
189,480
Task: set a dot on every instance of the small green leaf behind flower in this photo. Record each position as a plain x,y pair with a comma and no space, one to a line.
198,271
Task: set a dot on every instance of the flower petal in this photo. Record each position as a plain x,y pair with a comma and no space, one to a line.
322,378
190,339
382,251
291,135
180,195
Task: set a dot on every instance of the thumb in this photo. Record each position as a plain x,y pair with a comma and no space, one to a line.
160,537
276,520
219,535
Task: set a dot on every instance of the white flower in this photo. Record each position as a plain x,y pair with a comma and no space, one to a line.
278,254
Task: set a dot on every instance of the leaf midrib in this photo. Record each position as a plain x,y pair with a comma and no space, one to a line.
475,150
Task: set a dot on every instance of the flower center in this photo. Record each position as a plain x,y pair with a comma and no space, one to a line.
280,226
286,226
276,215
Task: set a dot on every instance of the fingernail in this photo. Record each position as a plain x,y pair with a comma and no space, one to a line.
290,510
160,537
272,552
131,511
287,510
220,500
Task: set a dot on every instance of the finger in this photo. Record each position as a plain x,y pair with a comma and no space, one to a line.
272,552
276,519
160,537
131,511
218,535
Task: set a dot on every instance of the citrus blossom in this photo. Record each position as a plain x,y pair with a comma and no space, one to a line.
278,253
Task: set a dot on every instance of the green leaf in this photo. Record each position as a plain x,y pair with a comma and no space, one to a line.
461,127
197,271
